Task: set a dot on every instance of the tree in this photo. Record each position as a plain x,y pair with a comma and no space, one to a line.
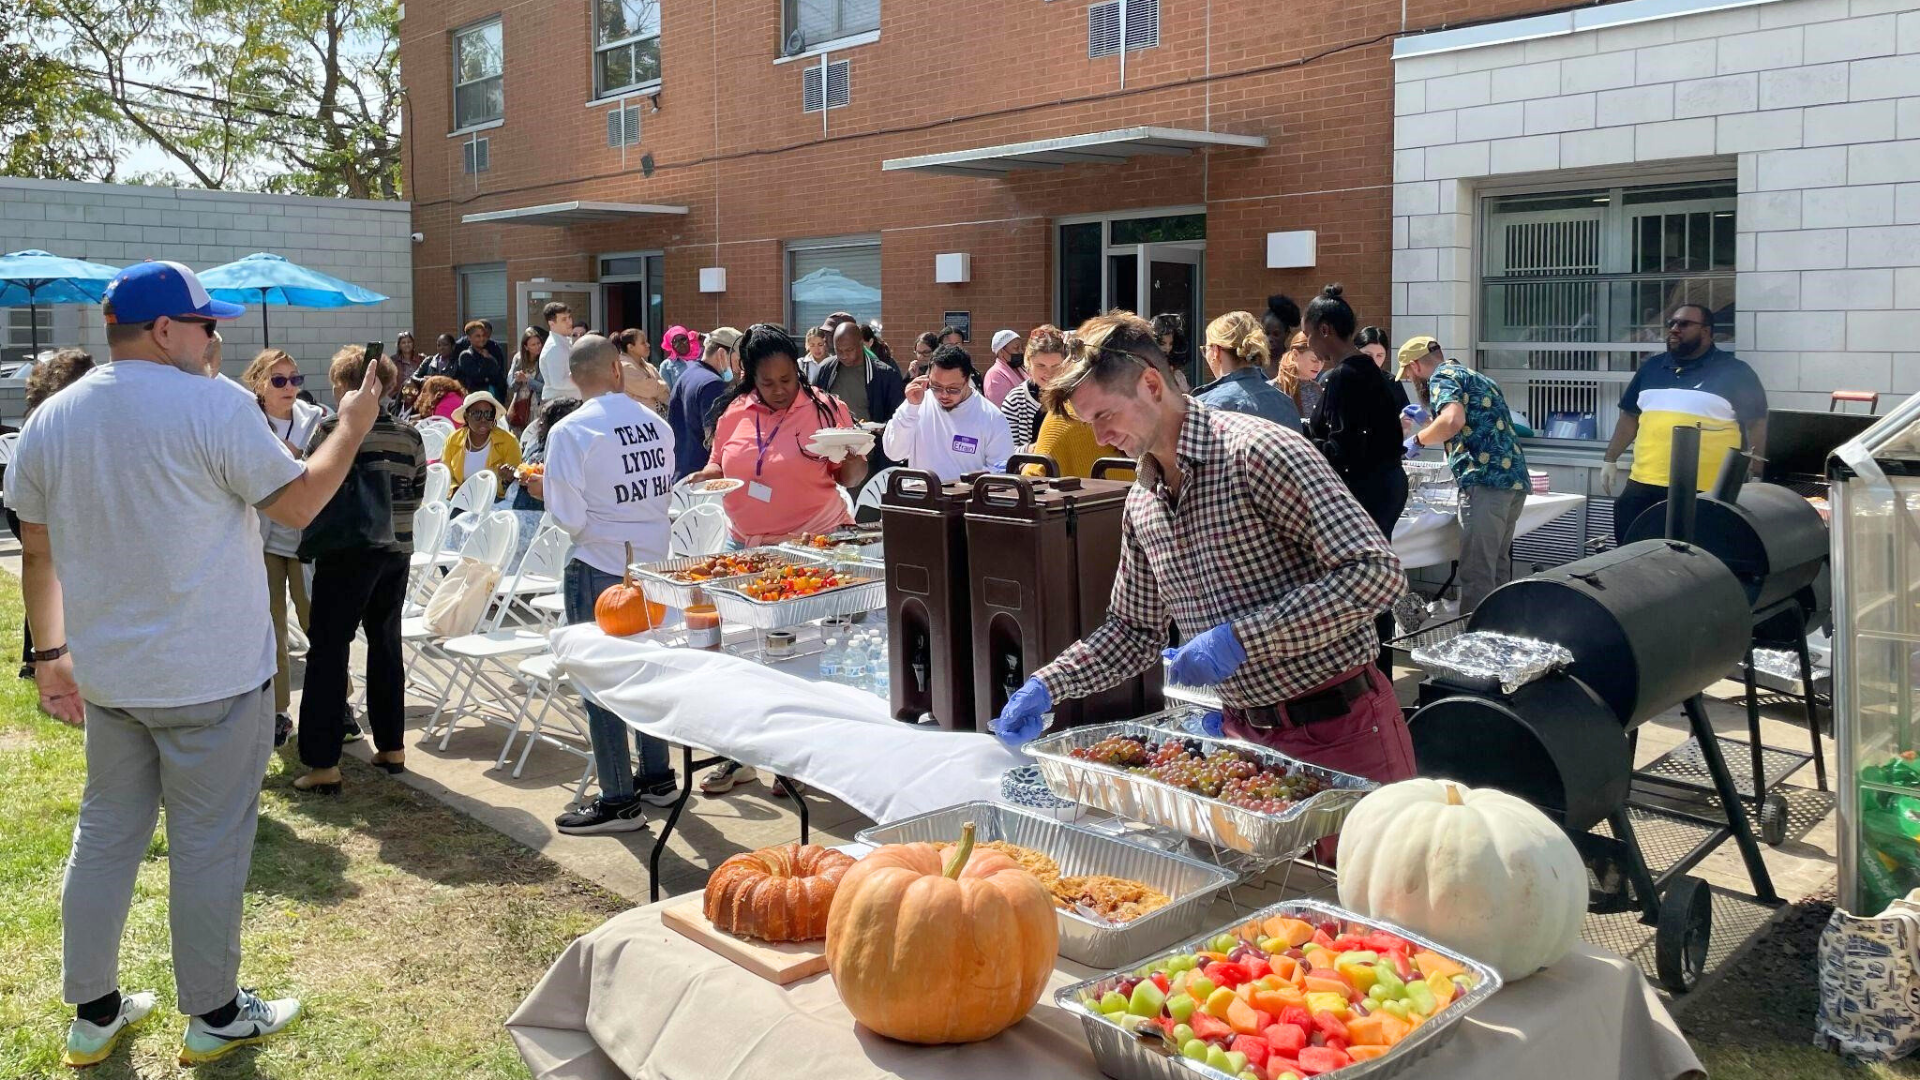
50,121
296,96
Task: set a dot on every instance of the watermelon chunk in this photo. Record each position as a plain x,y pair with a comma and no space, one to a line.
1315,1060
1253,1046
1209,1027
1227,974
1257,968
1286,1039
1331,1026
1298,1016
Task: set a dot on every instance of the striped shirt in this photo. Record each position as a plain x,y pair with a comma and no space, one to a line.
1264,535
395,451
1022,411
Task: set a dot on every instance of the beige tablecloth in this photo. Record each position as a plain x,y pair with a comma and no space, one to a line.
636,999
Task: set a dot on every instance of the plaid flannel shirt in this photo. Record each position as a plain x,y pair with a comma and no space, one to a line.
1264,535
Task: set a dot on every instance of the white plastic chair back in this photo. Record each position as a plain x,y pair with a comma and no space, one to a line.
429,526
701,529
476,493
494,539
845,497
439,483
678,499
871,491
547,556
434,431
7,443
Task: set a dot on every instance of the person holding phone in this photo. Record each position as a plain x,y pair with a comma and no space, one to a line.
276,381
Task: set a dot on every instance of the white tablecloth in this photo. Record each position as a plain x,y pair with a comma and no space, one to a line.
1433,538
831,737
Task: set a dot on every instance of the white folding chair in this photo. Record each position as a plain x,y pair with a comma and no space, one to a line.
429,533
439,483
491,543
872,490
701,529
434,431
679,497
476,493
845,497
538,575
541,675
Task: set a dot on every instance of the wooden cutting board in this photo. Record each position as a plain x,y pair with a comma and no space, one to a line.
779,963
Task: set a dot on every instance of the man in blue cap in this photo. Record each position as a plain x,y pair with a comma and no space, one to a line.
147,567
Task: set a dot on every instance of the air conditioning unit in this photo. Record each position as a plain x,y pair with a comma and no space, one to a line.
476,156
623,125
827,87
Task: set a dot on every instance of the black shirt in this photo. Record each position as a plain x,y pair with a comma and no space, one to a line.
1357,424
484,370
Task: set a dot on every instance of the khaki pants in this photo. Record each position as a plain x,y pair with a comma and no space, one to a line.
284,572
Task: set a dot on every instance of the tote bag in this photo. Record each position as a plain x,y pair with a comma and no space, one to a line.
460,601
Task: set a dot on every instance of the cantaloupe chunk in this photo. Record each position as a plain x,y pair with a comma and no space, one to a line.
1292,931
1361,1052
1432,963
1366,1031
1392,1028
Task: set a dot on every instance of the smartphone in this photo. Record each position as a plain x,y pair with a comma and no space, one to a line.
375,350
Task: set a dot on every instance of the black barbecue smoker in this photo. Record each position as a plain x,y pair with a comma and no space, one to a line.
1647,627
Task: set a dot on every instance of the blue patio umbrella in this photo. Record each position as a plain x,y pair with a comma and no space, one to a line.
35,277
266,279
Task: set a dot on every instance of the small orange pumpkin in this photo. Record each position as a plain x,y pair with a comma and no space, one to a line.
932,954
623,609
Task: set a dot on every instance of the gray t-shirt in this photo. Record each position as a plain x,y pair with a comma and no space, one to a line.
146,477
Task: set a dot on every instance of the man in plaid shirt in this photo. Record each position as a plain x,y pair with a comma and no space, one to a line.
1239,532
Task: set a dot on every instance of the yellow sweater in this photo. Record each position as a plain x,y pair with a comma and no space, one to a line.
502,449
1070,443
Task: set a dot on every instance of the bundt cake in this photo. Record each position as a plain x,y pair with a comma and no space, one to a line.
777,893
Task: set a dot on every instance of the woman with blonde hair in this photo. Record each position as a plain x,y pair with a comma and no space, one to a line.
275,380
1298,374
1236,352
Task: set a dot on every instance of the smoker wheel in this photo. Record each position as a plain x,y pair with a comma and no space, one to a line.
1773,820
1680,939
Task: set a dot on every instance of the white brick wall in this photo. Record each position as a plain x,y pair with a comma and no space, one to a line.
1814,105
363,242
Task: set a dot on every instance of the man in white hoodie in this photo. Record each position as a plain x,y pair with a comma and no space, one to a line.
946,427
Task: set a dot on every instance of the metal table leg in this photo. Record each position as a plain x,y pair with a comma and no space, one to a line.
687,767
793,792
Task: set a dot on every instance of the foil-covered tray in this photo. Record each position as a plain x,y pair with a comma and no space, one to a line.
1142,798
1190,885
1491,663
1125,1056
867,594
657,582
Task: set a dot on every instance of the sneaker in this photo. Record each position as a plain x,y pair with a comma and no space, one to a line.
662,792
90,1044
601,816
282,729
780,791
351,732
726,777
258,1021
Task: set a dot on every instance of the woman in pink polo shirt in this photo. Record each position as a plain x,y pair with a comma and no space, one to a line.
761,439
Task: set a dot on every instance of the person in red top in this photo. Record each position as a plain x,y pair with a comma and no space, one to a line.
769,418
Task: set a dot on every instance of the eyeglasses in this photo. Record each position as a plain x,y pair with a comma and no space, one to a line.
281,382
479,414
1675,324
946,391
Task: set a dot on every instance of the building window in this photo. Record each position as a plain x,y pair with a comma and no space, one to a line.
626,45
825,276
811,23
477,62
1575,287
483,295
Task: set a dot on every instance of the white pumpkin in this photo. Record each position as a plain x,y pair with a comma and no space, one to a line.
1479,871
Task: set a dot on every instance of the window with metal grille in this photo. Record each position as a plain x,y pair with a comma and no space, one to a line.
1103,27
827,88
1575,285
626,45
623,126
478,59
476,156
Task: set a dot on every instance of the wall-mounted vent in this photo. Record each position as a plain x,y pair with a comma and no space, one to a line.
1103,27
836,91
623,126
476,156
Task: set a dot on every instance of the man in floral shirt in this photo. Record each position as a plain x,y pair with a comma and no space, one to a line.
1470,417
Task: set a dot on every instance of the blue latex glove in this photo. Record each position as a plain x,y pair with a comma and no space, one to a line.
1417,413
1207,659
1024,718
1413,447
1213,724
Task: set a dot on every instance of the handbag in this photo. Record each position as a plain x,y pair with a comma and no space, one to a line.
358,517
520,412
460,601
1870,982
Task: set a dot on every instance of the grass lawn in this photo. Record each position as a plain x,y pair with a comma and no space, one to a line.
409,930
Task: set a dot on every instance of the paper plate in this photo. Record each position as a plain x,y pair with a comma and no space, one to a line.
845,436
715,488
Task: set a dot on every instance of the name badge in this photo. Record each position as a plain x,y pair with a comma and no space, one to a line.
757,490
964,445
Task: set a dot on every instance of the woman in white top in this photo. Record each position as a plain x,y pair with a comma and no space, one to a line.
275,381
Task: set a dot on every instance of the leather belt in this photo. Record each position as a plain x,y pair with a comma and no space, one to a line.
1327,703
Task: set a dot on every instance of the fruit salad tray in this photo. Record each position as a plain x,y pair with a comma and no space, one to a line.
678,582
1297,989
1188,885
842,587
1225,792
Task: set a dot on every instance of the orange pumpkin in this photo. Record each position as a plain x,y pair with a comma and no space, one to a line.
931,954
624,610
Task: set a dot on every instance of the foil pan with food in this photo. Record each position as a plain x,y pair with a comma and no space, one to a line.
1491,662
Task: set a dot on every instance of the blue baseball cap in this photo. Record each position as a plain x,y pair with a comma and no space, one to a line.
150,290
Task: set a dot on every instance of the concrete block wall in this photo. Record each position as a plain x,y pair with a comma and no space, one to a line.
1814,105
360,241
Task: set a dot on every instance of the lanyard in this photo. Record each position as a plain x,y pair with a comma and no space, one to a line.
766,442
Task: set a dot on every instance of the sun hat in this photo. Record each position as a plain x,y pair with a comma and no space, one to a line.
150,290
478,397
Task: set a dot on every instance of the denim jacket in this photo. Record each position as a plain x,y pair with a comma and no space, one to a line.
1248,391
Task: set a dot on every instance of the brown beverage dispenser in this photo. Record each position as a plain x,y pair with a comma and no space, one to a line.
1055,546
924,534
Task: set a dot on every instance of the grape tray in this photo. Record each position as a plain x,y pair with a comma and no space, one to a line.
1142,798
1125,1056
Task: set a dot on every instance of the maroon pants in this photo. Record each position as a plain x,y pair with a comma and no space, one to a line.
1371,740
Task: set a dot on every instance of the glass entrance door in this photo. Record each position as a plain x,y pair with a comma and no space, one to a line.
1151,265
1170,280
532,297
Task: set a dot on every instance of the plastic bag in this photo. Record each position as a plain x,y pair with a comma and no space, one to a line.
1870,982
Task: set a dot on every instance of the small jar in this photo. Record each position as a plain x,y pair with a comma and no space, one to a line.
703,624
780,644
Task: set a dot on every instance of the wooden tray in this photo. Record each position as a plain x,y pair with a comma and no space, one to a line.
778,963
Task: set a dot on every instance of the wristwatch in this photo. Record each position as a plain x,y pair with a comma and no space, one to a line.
47,654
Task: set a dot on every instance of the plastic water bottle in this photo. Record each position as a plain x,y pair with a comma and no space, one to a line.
831,657
854,671
882,672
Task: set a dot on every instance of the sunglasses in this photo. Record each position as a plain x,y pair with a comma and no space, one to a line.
281,382
479,414
1675,324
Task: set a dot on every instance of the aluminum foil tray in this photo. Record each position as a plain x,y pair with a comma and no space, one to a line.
868,595
679,595
1125,1056
1489,662
1190,885
1142,798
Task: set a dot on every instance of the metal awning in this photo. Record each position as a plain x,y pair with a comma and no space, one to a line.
1099,147
577,212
